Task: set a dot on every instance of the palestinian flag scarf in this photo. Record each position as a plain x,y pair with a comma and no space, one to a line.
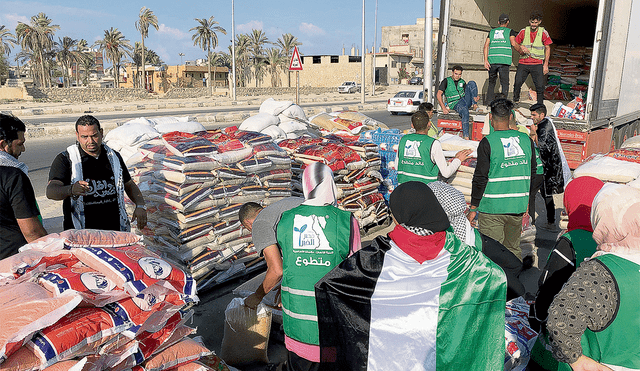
381,309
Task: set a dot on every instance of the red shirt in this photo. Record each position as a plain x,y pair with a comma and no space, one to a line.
546,40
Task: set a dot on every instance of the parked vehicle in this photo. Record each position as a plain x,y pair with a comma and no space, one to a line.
349,87
406,101
608,33
416,80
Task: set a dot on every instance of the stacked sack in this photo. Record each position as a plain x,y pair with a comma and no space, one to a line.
568,75
95,300
195,184
345,123
355,166
462,178
618,166
279,120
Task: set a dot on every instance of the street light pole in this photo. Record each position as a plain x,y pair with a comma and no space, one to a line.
373,56
233,50
178,70
428,51
363,54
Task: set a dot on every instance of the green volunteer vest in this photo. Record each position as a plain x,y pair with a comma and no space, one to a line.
617,345
583,244
454,91
539,167
499,46
536,49
507,190
414,159
314,239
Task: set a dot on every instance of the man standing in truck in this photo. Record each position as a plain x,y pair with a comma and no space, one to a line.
534,44
460,96
497,56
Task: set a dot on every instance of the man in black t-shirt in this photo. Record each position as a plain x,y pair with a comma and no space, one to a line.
92,178
19,214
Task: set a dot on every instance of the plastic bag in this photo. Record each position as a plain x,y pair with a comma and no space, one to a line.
246,333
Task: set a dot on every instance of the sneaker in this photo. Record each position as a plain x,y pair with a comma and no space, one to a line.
527,262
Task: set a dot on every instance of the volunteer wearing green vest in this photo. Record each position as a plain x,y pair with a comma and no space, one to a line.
571,249
460,97
420,156
594,323
533,44
497,56
502,179
315,237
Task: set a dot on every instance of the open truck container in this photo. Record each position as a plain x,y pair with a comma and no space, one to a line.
610,27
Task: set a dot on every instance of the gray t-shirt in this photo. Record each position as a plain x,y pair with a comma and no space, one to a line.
264,226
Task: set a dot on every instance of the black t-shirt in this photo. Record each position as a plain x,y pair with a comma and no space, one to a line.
17,201
512,33
101,207
443,85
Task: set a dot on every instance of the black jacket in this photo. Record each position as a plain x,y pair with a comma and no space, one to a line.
550,156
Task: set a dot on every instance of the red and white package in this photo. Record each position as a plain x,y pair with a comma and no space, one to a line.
135,268
24,359
146,307
95,288
28,263
68,365
186,351
193,366
150,342
80,332
26,308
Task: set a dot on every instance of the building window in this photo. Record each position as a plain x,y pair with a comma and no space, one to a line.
334,59
405,38
394,64
403,65
316,60
354,59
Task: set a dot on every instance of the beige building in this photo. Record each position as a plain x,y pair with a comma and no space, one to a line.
162,78
403,47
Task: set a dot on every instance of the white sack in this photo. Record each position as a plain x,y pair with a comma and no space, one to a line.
259,122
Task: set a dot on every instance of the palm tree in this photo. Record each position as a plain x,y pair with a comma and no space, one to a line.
66,56
115,46
146,18
206,38
257,40
37,37
81,48
243,69
6,40
277,62
88,63
287,42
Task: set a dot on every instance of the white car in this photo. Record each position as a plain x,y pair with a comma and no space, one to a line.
406,101
348,87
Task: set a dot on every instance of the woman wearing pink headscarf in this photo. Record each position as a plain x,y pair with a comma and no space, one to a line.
594,322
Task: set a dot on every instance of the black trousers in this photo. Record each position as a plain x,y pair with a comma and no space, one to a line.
297,363
550,206
537,75
494,70
535,186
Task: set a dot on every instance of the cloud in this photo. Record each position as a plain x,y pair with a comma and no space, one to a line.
247,27
11,20
172,32
311,29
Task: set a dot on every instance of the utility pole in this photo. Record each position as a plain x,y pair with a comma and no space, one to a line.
373,56
233,50
362,80
427,83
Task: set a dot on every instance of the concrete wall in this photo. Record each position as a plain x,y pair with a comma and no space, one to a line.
87,94
14,93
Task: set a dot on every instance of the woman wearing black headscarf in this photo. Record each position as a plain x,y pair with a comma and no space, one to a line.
418,296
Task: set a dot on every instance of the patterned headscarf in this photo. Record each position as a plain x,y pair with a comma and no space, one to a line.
615,216
318,185
453,203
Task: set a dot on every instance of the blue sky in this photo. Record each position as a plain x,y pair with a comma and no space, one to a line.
323,27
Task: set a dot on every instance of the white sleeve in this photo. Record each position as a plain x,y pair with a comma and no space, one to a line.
437,156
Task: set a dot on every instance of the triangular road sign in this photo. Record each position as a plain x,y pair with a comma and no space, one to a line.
296,62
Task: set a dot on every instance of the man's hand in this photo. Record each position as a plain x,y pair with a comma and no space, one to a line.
545,68
472,216
445,110
140,215
585,363
464,154
252,301
487,65
524,50
80,188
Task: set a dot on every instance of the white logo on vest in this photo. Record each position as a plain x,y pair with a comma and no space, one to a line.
309,234
412,148
511,147
498,34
